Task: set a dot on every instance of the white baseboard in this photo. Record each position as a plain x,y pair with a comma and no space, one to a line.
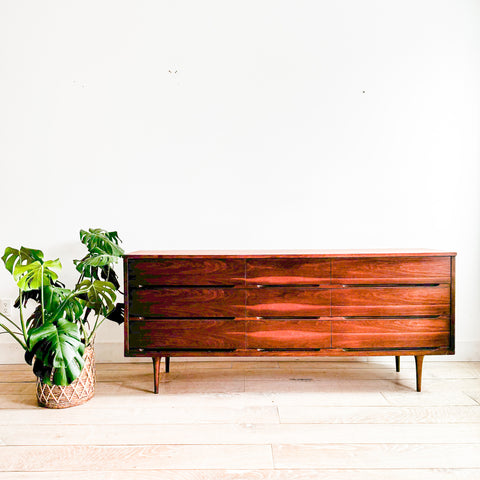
112,352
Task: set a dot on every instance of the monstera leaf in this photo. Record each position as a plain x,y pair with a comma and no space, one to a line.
13,257
36,274
103,251
61,303
100,241
117,315
58,352
101,296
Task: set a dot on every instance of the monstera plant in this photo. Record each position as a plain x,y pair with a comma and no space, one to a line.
64,321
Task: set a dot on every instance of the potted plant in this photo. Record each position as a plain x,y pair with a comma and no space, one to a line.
58,336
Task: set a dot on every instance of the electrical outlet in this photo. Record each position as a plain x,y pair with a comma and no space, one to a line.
6,306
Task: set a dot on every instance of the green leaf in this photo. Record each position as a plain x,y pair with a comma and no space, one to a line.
91,264
59,351
10,258
13,257
101,260
33,275
59,303
31,255
103,252
99,241
101,296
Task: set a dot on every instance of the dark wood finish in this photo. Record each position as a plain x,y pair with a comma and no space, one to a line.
187,271
287,271
126,300
418,368
204,334
187,302
324,352
288,301
391,333
156,373
452,306
415,270
312,253
292,334
391,301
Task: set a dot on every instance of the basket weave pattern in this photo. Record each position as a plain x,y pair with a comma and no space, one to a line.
78,392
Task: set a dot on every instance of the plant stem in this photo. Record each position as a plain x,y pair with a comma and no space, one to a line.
73,294
22,321
12,333
85,333
95,326
9,320
41,299
98,326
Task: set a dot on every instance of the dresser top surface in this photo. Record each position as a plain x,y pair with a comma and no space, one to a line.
290,253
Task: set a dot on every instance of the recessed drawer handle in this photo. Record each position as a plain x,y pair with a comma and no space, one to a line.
389,317
286,317
291,285
389,285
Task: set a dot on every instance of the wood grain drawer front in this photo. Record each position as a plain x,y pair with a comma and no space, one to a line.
391,301
187,302
287,271
391,270
288,301
186,271
288,334
391,333
186,334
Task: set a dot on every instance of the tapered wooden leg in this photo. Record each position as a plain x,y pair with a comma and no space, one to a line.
419,365
167,364
397,364
156,373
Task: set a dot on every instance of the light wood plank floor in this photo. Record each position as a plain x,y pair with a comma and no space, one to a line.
258,420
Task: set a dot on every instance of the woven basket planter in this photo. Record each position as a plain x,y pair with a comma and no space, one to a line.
78,392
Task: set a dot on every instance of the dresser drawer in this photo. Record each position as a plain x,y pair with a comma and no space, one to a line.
186,271
288,302
187,302
392,333
287,271
286,333
185,334
391,301
391,270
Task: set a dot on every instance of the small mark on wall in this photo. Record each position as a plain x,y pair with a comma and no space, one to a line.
78,84
175,77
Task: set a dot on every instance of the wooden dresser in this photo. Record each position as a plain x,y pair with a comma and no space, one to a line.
289,303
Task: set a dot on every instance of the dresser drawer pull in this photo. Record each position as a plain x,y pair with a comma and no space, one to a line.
389,285
288,349
171,287
286,317
196,349
389,317
292,285
388,349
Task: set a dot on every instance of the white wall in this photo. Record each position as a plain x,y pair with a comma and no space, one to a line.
242,124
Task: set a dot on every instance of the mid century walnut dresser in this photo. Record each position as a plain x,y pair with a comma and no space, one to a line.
289,303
